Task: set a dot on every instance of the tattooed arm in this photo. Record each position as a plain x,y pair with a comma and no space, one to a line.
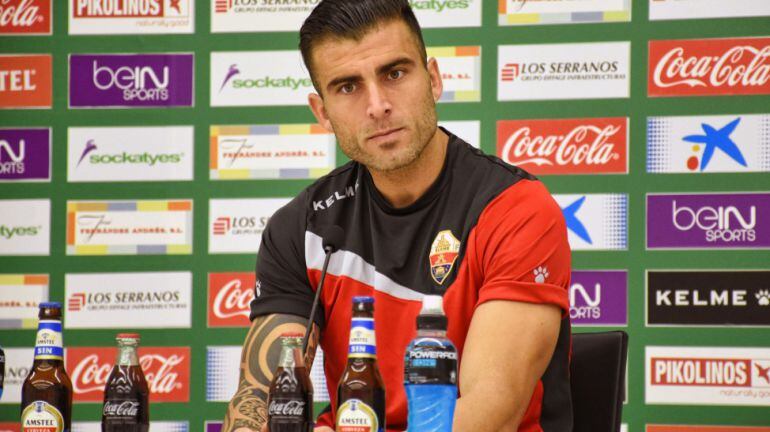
247,411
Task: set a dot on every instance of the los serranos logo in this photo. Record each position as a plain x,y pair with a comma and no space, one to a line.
237,226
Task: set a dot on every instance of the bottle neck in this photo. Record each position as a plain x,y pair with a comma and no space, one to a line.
362,339
291,357
49,344
431,333
127,355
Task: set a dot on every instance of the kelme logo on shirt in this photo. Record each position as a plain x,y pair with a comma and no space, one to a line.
443,254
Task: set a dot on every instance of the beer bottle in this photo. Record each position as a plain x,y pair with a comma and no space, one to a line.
290,399
46,395
126,393
361,393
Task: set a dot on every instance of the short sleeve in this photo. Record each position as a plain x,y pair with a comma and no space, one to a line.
282,286
522,249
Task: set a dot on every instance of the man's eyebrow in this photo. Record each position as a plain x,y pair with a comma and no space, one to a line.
380,70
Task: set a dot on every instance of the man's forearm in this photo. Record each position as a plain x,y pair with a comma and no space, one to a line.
480,412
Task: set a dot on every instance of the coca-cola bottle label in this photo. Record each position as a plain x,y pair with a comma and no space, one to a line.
362,341
355,415
49,344
122,409
287,408
40,416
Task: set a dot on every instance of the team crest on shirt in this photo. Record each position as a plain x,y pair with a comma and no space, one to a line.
443,254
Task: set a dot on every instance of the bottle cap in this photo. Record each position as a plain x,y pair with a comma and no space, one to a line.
432,305
432,314
50,305
128,336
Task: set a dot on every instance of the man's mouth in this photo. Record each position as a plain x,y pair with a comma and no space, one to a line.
384,135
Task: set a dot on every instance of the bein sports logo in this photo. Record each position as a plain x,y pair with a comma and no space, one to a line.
720,223
591,304
12,161
711,140
137,83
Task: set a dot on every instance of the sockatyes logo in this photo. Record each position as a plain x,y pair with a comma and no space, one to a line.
706,221
131,80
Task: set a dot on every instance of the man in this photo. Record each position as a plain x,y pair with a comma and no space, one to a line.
423,213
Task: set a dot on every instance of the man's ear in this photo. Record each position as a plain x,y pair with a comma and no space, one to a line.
436,84
317,106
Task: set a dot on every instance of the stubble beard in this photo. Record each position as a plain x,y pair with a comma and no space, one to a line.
424,130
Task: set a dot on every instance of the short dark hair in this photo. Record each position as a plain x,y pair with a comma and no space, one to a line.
353,19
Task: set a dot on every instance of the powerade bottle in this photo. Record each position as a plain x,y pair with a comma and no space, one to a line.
430,371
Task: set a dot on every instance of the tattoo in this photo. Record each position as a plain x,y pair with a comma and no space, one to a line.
261,351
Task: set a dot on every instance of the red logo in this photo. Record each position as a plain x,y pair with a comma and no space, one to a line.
222,6
565,146
222,225
25,81
701,372
126,8
167,370
25,17
76,302
230,295
510,72
706,67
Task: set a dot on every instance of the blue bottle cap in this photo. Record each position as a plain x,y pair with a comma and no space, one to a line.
48,305
363,299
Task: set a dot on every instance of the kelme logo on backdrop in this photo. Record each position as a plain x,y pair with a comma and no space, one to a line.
598,70
25,154
252,78
131,16
706,221
25,17
707,376
565,146
447,13
599,297
531,12
167,370
25,227
151,227
703,144
147,300
709,67
131,80
236,225
271,151
20,295
595,221
708,297
25,81
130,154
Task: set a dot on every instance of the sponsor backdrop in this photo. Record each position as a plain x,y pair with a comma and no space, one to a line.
144,146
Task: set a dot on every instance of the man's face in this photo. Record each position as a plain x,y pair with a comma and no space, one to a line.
377,96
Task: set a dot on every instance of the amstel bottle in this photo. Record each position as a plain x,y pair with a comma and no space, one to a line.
361,393
46,395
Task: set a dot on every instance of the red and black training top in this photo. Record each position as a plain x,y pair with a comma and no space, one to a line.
485,230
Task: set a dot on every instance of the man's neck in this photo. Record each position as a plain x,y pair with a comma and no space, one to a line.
404,186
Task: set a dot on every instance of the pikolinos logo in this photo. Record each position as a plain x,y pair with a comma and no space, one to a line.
167,370
131,80
25,16
709,67
738,220
565,146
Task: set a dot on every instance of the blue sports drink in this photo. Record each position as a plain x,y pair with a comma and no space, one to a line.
430,371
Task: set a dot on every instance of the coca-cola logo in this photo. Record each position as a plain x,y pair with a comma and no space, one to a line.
286,408
165,368
568,146
25,16
230,295
121,409
720,66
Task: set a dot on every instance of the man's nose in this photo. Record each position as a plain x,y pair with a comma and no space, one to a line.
379,103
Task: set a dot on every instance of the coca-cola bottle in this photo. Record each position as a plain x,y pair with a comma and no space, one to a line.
126,407
290,401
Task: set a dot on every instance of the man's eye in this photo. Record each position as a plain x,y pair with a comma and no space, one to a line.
395,74
347,88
